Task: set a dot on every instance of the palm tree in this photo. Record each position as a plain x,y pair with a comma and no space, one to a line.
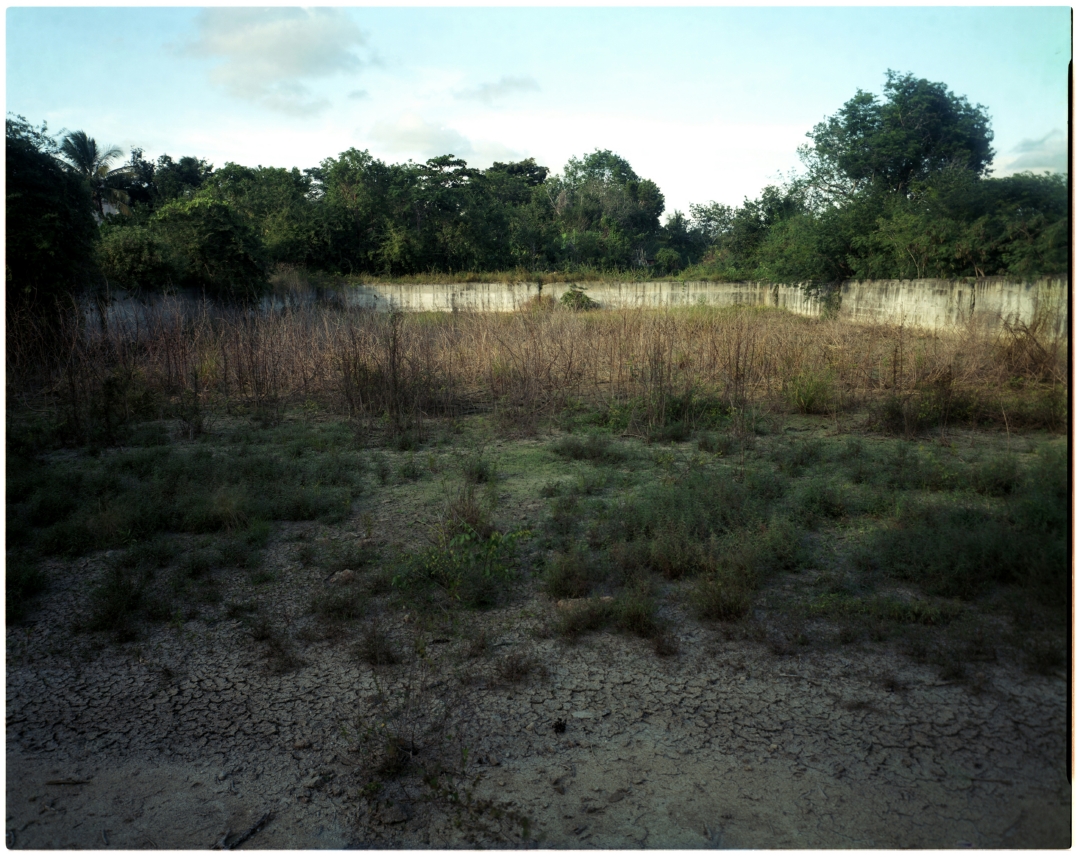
82,156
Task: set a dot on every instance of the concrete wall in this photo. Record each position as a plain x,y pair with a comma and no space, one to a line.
921,303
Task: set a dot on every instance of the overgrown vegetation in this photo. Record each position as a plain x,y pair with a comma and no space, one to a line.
892,187
681,467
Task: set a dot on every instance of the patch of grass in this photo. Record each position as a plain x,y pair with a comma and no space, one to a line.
128,496
465,515
812,391
467,569
478,469
410,469
957,550
998,476
24,580
718,443
592,614
595,447
570,575
516,667
380,466
340,603
632,611
817,500
376,648
838,605
794,458
726,596
552,488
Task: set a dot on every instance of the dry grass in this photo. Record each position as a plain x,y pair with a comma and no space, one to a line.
180,360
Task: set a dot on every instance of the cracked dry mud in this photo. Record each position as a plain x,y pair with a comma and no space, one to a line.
724,745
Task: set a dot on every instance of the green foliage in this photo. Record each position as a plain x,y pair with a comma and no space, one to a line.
594,447
919,129
136,258
571,574
75,507
811,391
574,298
50,240
219,254
960,551
472,570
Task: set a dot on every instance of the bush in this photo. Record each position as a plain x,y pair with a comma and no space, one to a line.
960,551
137,259
218,253
722,597
575,299
596,448
569,575
812,391
469,569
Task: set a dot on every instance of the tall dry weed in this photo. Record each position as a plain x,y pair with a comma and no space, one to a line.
406,368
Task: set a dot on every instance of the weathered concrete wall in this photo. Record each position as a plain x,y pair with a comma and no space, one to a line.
921,303
946,303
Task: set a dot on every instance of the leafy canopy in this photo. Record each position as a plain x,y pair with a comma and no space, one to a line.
919,129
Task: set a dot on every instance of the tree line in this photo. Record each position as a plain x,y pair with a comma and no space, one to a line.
895,186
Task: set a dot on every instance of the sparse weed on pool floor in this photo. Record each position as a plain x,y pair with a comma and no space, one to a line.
467,519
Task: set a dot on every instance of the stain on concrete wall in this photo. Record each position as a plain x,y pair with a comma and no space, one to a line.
989,302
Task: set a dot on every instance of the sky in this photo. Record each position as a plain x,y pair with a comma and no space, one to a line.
710,102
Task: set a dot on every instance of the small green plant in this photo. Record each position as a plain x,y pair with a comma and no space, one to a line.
409,468
468,568
596,448
812,391
724,596
569,575
376,648
479,469
575,299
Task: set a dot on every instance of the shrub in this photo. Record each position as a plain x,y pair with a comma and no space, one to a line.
596,448
724,596
793,458
811,391
569,575
376,648
575,299
479,469
999,476
469,569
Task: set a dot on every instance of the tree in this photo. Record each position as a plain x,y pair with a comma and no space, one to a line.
920,128
216,250
50,229
607,215
275,202
81,154
136,258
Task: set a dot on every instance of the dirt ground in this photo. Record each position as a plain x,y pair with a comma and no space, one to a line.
187,740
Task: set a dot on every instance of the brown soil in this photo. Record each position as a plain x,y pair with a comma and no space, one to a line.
188,739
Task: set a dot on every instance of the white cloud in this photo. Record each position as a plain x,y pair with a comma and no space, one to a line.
1049,152
358,95
266,54
411,135
507,85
